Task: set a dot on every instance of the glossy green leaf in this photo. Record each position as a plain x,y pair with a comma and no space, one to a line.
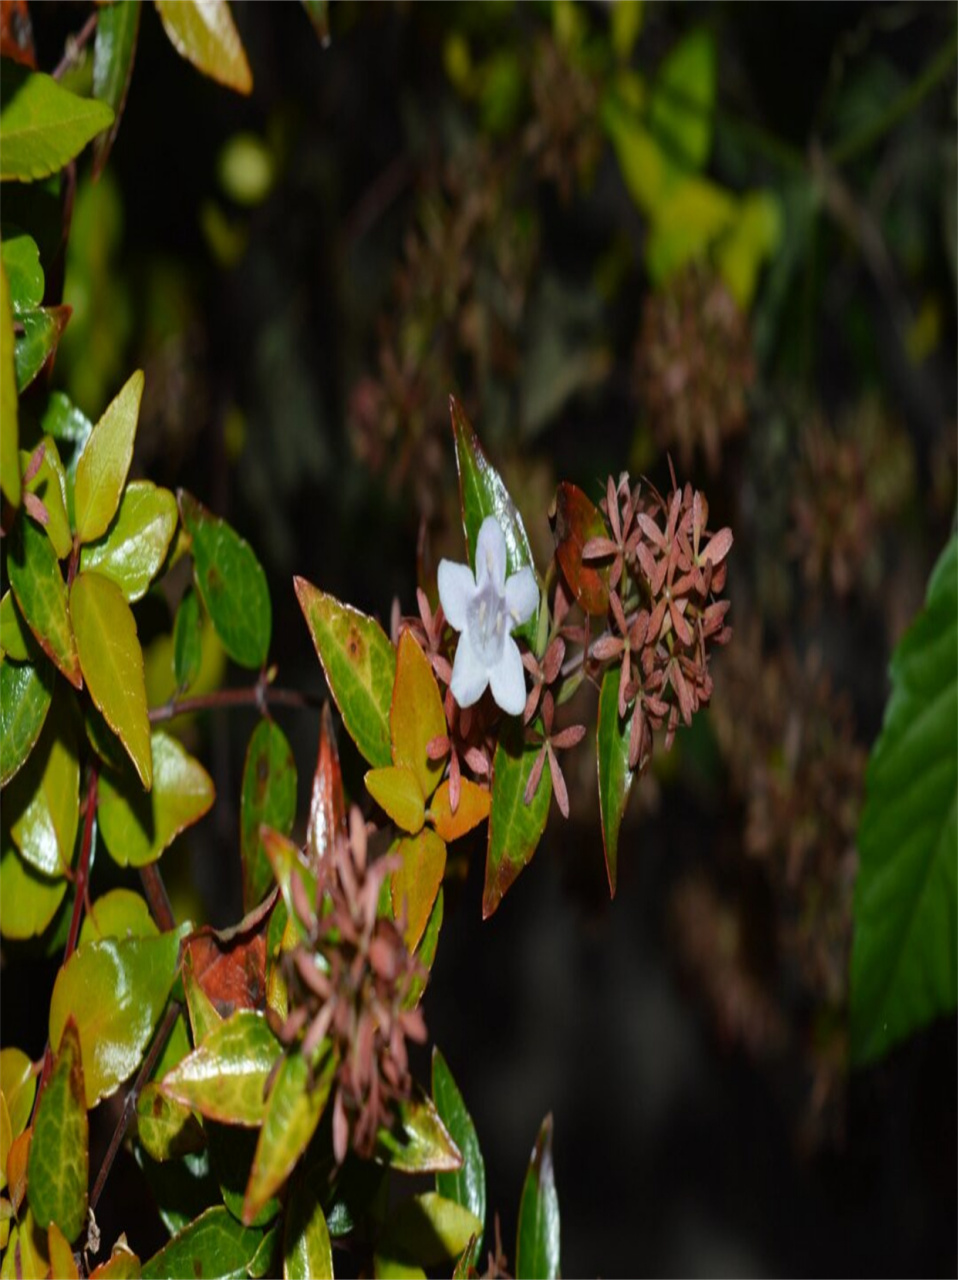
49,484
426,953
904,968
231,583
71,429
39,339
467,1186
360,668
120,913
203,32
113,54
25,694
416,881
307,1249
41,595
137,825
187,640
9,431
427,1229
58,1167
232,1149
683,100
577,519
112,663
43,125
482,492
42,804
115,990
612,761
28,900
21,262
397,792
214,1245
537,1243
105,461
133,549
18,1083
268,796
14,632
416,715
223,1079
515,828
167,1129
293,1111
418,1142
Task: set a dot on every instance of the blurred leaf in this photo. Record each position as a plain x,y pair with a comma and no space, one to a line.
615,777
418,1142
41,595
187,640
467,1186
360,668
683,101
202,31
18,1083
137,825
424,1230
167,1129
625,21
14,632
397,792
122,1264
426,953
9,431
268,796
62,1263
42,804
287,861
752,240
25,694
318,11
231,1151
231,583
43,125
245,169
577,519
112,663
28,900
119,913
904,967
224,1078
21,262
134,547
113,54
49,484
213,1245
415,883
327,804
416,715
515,828
474,806
641,162
501,93
103,465
537,1243
33,347
307,1250
694,214
59,1162
115,990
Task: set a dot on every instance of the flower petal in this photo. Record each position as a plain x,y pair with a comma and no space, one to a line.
457,587
490,555
469,675
522,596
507,680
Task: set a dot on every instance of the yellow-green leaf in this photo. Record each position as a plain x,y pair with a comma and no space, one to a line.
26,1255
307,1249
41,595
203,32
418,1142
9,432
133,549
113,53
103,465
62,1262
416,715
416,881
58,1166
18,1083
43,125
49,484
43,802
224,1078
25,694
396,790
13,631
427,1229
120,913
167,1129
28,900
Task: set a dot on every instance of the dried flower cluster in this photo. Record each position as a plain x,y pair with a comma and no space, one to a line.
563,138
351,983
694,365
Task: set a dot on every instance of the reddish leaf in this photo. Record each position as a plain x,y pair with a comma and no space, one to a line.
578,521
230,965
327,804
16,33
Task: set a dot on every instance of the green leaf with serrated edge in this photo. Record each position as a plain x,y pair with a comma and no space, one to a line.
112,663
133,549
28,900
119,913
105,461
307,1249
41,596
537,1241
14,632
427,1229
223,1079
904,966
213,1245
116,991
137,825
187,640
18,1083
21,263
467,1186
360,668
268,796
426,953
42,804
9,432
25,695
482,492
167,1129
113,54
231,583
287,861
43,125
418,1141
612,762
33,347
50,486
203,32
515,828
293,1111
58,1166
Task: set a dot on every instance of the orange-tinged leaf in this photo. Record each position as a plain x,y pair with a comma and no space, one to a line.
203,32
202,1012
416,882
122,1264
62,1262
112,663
577,519
474,803
230,964
327,804
396,790
103,465
6,1139
18,1158
416,715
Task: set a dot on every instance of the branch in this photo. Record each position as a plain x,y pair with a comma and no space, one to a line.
74,47
258,695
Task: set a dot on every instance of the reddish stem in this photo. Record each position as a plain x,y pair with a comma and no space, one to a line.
157,897
257,695
75,46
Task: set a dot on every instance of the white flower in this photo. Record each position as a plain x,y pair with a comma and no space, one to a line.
485,608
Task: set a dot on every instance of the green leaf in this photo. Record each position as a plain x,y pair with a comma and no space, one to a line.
683,101
418,1142
213,1245
904,968
50,486
115,990
615,777
9,432
21,262
112,663
752,240
360,668
41,595
133,549
71,429
43,803
232,1150
515,828
103,465
203,32
691,218
136,825
28,900
537,1242
42,125
25,695
14,633
204,1016
293,1111
268,796
120,913
427,1230
187,640
482,493
224,1078
38,341
58,1164
426,953
307,1249
113,54
467,1186
18,1083
231,583
166,1129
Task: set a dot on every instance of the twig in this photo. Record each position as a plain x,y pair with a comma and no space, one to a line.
259,695
157,897
75,46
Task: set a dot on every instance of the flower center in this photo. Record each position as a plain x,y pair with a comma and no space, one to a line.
487,624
